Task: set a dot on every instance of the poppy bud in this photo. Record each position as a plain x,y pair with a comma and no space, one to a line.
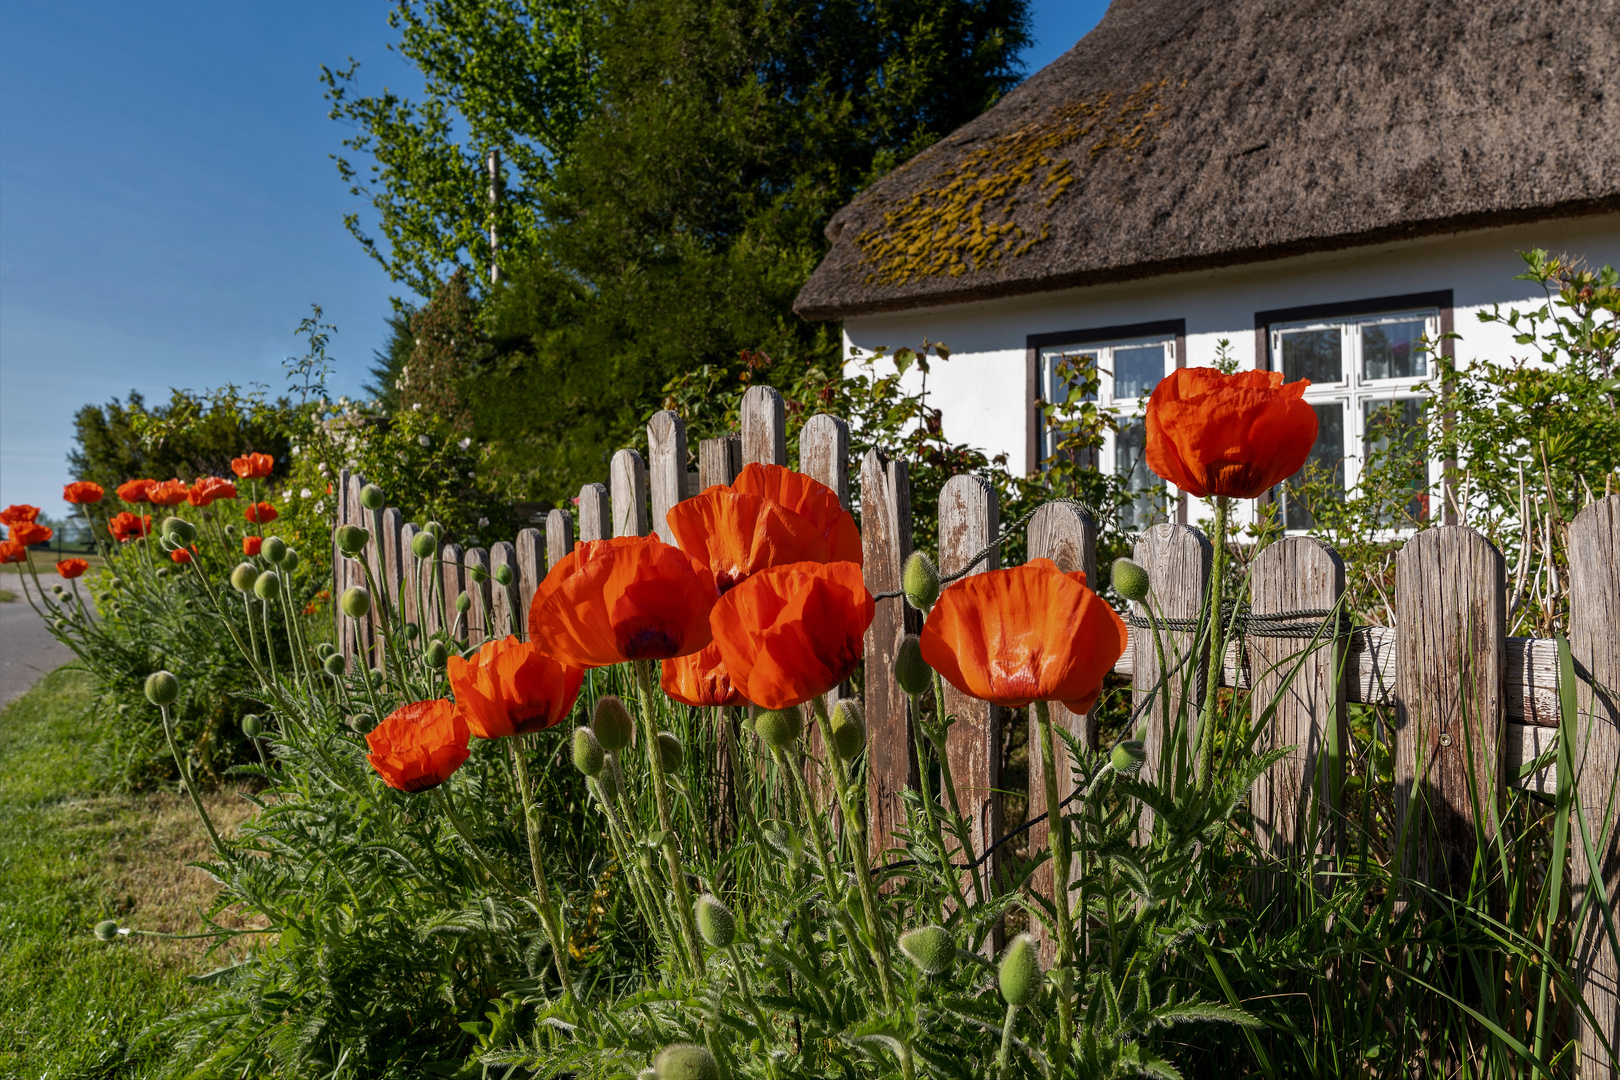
911,671
1128,756
931,948
181,531
333,665
715,921
1130,580
252,726
436,529
106,930
848,730
371,497
588,756
670,751
478,574
436,655
504,576
243,576
685,1061
162,571
162,688
266,585
411,631
169,543
230,530
274,549
356,602
351,539
920,580
463,603
609,783
612,724
325,649
360,723
289,561
116,582
1020,972
780,728
424,545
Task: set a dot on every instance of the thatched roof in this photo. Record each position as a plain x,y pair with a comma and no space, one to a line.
1183,134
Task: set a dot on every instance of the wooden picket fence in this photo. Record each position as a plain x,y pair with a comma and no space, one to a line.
1470,704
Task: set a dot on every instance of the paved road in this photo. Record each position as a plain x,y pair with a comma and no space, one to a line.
27,649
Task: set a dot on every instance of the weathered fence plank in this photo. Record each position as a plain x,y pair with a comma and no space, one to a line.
764,427
506,604
891,762
629,475
1451,652
359,631
559,538
595,522
409,601
719,461
531,571
1594,641
1177,560
824,453
666,465
475,574
393,563
453,576
431,583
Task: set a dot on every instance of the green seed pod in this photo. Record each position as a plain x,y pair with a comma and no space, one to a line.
911,671
179,530
106,930
588,756
504,576
715,921
612,724
931,948
333,665
1130,580
162,688
289,561
274,549
920,580
424,545
371,497
780,728
243,577
360,723
351,539
252,726
436,529
463,603
1020,972
411,631
685,1061
478,574
267,585
848,730
670,751
356,602
436,655
1128,756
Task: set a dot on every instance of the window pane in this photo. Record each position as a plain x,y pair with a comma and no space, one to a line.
1394,461
1137,370
1313,355
1324,468
1066,369
1393,350
1148,494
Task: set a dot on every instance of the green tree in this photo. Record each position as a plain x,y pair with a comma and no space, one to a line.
188,436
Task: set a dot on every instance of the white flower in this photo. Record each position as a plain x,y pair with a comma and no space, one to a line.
416,406
424,440
320,507
464,443
483,523
344,401
321,467
305,493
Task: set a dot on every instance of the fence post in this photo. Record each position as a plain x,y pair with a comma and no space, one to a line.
764,427
824,456
477,591
559,541
506,605
1294,574
968,521
1450,658
594,521
358,631
1067,535
393,552
430,581
531,571
340,568
1594,639
629,476
408,575
719,461
891,763
453,576
666,464
1177,560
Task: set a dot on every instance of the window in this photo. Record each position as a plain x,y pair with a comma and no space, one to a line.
1129,369
1364,371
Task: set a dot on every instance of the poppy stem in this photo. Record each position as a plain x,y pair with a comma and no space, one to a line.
191,787
1006,1040
925,785
548,912
656,917
1217,648
938,735
672,851
1057,834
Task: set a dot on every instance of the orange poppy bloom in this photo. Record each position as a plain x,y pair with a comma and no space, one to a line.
83,491
17,513
126,526
71,568
736,534
11,551
700,679
792,633
28,533
168,493
512,688
136,491
1031,633
629,598
419,745
182,555
1233,435
253,466
252,544
811,500
260,513
209,488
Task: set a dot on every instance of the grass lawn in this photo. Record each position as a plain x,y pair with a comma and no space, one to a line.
45,561
7,596
71,1006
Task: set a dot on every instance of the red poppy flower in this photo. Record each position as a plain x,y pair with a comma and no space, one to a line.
126,526
136,491
811,500
17,513
209,488
700,679
419,745
168,493
1031,633
71,568
512,688
252,544
736,535
629,598
182,555
253,466
1233,435
11,551
83,491
28,533
792,633
260,513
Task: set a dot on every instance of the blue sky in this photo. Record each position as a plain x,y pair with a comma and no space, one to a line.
169,212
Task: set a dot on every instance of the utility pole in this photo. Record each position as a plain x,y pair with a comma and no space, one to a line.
494,165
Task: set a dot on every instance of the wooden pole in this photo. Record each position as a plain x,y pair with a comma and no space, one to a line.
891,761
666,467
